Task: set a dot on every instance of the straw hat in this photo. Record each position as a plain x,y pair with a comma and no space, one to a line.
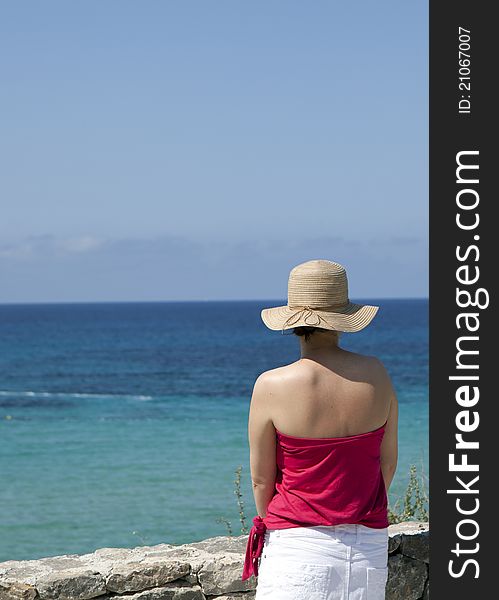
318,297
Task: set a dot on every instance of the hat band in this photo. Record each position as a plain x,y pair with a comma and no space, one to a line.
309,312
330,307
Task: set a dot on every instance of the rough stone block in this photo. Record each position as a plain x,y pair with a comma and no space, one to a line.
71,584
17,591
168,592
393,543
416,546
237,596
410,538
406,578
222,575
138,576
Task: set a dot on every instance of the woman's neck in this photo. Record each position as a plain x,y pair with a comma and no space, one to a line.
318,348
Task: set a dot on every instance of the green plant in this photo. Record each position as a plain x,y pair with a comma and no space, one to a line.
415,500
227,524
240,502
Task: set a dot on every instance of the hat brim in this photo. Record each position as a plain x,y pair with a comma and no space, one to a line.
350,318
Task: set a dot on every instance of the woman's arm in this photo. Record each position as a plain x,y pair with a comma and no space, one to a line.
389,445
262,443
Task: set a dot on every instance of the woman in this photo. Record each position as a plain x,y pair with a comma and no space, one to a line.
323,451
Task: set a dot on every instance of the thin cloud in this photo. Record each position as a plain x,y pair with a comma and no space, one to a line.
88,268
40,246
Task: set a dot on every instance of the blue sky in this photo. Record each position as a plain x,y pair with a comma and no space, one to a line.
199,150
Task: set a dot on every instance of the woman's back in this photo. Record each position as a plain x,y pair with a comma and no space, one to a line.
334,394
322,433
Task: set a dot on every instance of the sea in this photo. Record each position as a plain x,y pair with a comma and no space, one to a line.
125,424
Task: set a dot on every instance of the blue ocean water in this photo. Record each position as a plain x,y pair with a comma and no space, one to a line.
123,424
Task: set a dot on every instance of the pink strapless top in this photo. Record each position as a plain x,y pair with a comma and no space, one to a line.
322,481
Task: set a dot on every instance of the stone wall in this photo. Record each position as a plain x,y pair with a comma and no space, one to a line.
205,570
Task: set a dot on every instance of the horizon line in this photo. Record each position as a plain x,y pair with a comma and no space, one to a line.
282,301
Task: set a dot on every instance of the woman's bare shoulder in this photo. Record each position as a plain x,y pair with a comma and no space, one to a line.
368,360
375,363
364,367
277,375
376,373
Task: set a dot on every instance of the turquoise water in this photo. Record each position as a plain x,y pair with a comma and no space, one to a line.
123,424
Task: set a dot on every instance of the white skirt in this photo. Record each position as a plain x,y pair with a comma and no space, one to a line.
326,562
